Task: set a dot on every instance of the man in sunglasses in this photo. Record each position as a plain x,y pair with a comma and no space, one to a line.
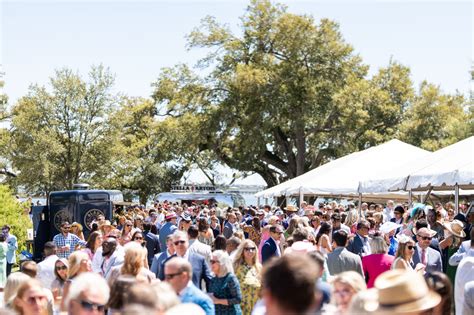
66,242
201,270
424,254
88,295
178,273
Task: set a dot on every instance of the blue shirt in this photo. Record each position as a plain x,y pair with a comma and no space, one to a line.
69,240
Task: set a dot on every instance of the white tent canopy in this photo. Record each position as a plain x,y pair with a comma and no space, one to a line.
342,176
443,169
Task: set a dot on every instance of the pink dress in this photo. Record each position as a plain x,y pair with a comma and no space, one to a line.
375,264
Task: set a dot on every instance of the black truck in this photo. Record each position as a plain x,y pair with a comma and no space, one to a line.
82,206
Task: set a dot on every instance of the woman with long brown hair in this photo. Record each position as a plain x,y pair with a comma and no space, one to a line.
94,241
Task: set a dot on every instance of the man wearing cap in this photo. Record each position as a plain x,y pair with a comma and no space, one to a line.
271,247
424,254
168,228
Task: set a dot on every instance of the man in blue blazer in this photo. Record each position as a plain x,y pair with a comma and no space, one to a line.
271,247
159,258
424,254
178,273
359,244
201,270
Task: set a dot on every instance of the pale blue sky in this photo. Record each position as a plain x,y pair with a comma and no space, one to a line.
137,38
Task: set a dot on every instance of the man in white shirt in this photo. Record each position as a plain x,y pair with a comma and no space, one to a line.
196,246
46,267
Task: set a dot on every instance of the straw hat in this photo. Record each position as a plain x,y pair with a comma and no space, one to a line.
291,208
456,228
396,292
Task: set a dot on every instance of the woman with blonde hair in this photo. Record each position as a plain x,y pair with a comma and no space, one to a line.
352,219
133,264
31,299
79,262
248,271
344,287
14,281
76,229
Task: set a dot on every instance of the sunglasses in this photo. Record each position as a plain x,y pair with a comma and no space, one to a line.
172,275
426,238
61,268
179,242
36,299
214,261
249,249
129,225
410,247
138,238
92,306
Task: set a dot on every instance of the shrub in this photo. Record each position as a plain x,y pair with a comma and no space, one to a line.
14,214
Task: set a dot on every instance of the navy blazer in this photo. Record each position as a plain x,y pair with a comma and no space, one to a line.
158,262
193,295
201,270
152,245
269,249
356,246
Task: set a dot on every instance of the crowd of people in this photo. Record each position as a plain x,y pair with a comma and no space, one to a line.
201,259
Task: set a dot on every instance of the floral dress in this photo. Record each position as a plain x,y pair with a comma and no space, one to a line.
254,235
227,287
249,279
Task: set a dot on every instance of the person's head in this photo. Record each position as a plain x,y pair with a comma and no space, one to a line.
336,220
247,252
232,218
319,259
406,247
61,267
440,283
137,237
232,244
159,296
276,231
178,273
424,237
300,234
119,291
203,224
180,241
76,228
49,249
108,246
87,295
65,227
134,259
345,286
398,212
340,238
289,284
378,245
94,241
14,282
221,264
30,268
79,262
363,228
193,232
220,242
31,299
6,229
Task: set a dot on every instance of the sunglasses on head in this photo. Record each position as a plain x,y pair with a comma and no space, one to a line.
179,242
92,306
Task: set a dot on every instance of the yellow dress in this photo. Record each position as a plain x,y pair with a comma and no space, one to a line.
249,279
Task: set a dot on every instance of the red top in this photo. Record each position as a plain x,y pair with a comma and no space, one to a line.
374,265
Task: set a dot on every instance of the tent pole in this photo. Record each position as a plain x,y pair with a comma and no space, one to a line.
301,197
427,194
360,207
258,202
410,198
287,201
456,198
